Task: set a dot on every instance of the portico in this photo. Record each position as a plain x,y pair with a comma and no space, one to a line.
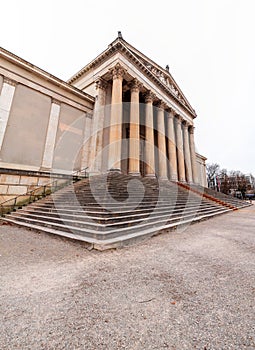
168,139
149,130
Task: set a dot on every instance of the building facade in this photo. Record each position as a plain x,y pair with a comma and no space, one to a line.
120,112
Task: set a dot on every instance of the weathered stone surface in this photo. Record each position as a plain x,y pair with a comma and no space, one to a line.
17,190
9,179
3,189
28,180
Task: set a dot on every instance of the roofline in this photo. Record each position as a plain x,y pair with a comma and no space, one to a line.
43,74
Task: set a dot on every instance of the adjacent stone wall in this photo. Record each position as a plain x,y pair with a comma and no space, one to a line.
25,134
37,111
201,167
69,140
15,183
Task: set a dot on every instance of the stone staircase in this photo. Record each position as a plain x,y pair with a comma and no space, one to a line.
112,210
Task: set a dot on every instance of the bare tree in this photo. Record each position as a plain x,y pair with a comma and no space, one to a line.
212,170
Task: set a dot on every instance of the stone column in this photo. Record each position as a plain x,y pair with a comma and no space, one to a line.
149,135
51,136
179,145
86,142
115,137
187,157
162,158
97,128
172,147
6,99
193,155
134,134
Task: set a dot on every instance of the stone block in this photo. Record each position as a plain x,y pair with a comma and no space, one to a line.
17,190
3,189
5,198
44,181
9,179
29,180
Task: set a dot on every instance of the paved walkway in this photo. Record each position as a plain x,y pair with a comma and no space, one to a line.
190,289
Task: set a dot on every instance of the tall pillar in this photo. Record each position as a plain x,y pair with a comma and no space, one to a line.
149,136
97,128
51,136
193,155
115,136
172,147
6,99
134,134
179,145
86,142
162,158
187,157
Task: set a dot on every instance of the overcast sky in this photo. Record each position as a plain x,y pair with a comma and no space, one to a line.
209,46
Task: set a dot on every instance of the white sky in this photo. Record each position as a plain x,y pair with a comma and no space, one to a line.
209,46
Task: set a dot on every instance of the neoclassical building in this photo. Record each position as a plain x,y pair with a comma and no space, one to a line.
121,112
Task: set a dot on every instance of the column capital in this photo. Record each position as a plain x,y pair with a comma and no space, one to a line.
10,81
135,85
178,118
101,83
186,124
171,113
56,102
191,129
117,72
149,96
162,105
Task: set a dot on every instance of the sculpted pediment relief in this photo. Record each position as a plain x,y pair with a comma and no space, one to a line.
164,78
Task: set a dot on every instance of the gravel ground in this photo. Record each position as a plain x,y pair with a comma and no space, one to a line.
188,289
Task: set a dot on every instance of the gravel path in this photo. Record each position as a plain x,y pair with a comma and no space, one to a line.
190,289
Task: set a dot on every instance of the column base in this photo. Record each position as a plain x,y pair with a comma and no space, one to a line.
163,178
152,176
93,173
174,178
114,170
46,169
134,173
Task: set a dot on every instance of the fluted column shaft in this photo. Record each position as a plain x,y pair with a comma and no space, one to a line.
172,147
134,133
187,158
193,155
97,128
180,155
162,143
115,137
149,136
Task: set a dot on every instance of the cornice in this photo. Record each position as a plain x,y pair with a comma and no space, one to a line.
43,74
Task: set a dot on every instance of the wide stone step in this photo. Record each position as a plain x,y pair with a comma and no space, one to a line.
112,228
113,213
144,229
116,209
111,218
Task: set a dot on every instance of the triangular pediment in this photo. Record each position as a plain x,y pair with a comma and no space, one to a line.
163,75
160,76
